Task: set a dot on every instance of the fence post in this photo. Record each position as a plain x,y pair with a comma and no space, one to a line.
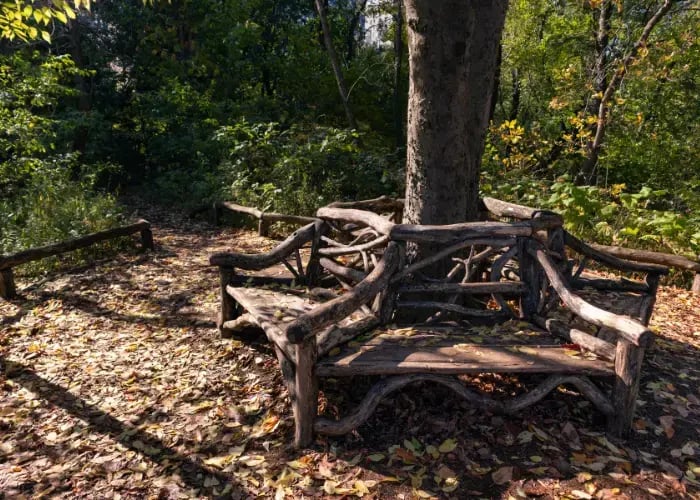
147,239
7,284
263,225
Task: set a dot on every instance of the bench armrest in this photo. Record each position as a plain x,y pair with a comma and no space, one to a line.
334,310
610,260
256,262
631,330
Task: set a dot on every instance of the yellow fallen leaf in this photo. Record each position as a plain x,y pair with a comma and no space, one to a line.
376,457
360,488
219,462
424,493
447,446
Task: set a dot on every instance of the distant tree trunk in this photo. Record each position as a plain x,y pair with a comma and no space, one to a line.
514,95
335,63
453,51
352,28
600,82
594,147
496,83
398,61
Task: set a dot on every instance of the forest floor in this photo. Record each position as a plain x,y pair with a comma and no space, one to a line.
114,383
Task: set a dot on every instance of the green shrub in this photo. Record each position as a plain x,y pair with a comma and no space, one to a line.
47,195
298,169
646,219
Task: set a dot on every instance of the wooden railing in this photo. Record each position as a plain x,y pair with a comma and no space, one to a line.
265,219
7,262
490,206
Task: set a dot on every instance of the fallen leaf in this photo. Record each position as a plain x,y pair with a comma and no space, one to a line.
667,425
447,446
502,475
376,457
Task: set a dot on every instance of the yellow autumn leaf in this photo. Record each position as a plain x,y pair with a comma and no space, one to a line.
447,446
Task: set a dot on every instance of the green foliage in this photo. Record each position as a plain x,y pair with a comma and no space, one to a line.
298,169
642,218
48,195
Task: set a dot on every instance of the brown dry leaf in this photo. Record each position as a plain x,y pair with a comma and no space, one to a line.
667,425
503,475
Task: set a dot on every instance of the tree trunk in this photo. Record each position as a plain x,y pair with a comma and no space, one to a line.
398,60
453,50
352,28
335,63
588,172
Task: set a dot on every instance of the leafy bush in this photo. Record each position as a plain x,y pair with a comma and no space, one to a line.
47,195
614,216
298,169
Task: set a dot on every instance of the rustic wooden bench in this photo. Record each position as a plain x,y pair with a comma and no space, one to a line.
493,297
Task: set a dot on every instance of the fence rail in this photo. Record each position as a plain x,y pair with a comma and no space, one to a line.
7,262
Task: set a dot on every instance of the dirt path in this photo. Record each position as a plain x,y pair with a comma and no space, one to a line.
114,383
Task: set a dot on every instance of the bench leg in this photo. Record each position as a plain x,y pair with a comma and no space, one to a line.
305,399
228,309
628,364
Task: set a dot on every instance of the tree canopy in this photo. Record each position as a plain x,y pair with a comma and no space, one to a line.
594,109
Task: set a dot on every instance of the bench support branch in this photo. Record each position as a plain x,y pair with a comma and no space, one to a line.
628,365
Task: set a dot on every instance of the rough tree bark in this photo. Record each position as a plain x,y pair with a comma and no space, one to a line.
453,49
398,59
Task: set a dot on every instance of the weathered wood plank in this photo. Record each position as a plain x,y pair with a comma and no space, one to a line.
450,233
336,335
464,288
389,358
273,310
446,306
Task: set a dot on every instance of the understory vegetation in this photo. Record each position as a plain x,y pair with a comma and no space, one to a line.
192,102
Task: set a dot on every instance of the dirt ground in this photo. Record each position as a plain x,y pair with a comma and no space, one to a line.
114,383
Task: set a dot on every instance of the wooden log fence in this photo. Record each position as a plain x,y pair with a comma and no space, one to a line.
8,262
265,219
